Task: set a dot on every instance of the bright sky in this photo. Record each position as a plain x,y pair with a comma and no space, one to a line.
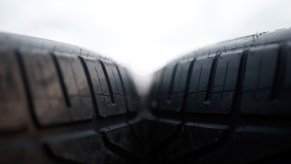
143,35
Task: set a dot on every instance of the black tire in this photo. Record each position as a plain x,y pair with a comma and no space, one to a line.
227,103
63,104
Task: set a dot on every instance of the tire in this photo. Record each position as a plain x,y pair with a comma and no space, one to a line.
226,103
63,104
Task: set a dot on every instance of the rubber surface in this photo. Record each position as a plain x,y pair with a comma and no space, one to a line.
226,103
63,104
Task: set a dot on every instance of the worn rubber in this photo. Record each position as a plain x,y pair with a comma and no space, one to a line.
226,103
63,104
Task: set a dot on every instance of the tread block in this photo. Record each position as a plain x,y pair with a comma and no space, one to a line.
156,85
130,91
13,103
81,105
83,148
284,104
117,95
174,80
200,74
191,138
220,103
176,102
196,103
154,90
123,137
249,144
176,98
48,98
159,131
165,90
256,102
105,107
287,76
166,79
98,79
260,67
224,85
114,78
120,104
259,80
180,78
226,72
107,91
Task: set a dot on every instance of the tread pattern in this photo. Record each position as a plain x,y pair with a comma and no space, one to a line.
237,98
12,95
227,103
107,88
58,105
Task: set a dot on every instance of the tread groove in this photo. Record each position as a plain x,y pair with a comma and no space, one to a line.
235,112
211,78
61,79
187,85
279,72
88,78
224,80
108,82
26,87
172,82
123,88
